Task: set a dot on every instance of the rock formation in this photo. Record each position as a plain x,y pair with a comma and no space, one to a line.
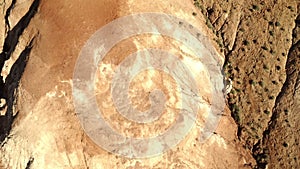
256,44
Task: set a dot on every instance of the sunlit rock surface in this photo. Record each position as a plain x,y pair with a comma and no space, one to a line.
47,133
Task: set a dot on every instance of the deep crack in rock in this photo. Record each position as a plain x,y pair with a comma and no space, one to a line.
8,89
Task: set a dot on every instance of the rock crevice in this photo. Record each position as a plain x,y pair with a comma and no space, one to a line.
8,86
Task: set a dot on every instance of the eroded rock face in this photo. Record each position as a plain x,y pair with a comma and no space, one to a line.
285,120
16,47
262,65
41,44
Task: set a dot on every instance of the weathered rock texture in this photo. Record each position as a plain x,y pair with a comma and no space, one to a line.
259,39
39,45
17,43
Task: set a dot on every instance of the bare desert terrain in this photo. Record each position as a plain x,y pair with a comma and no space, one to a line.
45,45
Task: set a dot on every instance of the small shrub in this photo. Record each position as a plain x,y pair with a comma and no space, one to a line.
219,42
277,24
264,47
252,82
272,52
236,117
255,7
209,24
278,67
245,42
291,8
286,111
236,108
235,113
267,112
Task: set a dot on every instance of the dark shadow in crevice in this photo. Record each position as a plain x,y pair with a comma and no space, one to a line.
10,88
